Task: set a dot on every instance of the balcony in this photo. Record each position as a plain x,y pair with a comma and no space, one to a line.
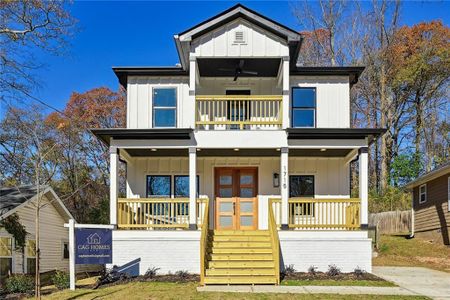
240,112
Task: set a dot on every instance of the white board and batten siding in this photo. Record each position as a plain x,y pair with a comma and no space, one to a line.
140,100
332,99
226,41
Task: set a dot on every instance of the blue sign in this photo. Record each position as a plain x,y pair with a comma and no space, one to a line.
93,246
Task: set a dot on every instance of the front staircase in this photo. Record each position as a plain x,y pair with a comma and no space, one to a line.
241,257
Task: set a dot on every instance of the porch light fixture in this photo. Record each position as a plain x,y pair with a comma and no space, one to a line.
236,149
154,150
278,149
276,180
323,150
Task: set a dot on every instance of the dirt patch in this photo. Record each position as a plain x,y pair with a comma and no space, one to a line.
158,278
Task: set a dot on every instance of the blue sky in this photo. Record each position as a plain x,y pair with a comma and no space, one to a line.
141,33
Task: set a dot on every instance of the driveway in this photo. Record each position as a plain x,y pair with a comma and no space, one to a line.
423,281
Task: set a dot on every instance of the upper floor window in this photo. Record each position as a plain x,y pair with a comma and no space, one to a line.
303,107
423,193
164,107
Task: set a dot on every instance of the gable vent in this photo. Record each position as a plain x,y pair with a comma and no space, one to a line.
239,37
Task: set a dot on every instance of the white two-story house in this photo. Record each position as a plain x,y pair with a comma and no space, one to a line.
238,160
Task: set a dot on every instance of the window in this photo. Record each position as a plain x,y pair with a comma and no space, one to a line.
303,107
301,186
65,250
423,193
164,107
30,252
181,185
5,257
158,186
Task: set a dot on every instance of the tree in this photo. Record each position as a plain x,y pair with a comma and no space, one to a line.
27,26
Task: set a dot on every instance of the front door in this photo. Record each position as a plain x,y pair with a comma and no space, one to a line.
236,192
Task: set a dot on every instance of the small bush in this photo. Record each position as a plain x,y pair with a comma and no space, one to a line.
19,283
333,270
383,248
359,272
289,270
182,274
61,280
312,270
151,272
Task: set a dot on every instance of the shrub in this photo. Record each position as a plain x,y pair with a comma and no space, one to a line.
19,283
151,272
289,270
182,274
333,270
61,280
312,270
383,248
359,272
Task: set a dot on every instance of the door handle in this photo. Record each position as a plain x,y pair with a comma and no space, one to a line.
234,208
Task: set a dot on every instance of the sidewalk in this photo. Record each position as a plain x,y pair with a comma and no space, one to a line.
343,290
423,281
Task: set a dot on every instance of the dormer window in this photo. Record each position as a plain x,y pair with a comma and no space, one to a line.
303,107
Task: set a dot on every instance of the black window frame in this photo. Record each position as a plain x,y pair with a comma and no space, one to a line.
154,108
174,186
303,107
303,209
158,196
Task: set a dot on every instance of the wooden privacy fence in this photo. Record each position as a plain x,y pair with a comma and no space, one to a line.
390,222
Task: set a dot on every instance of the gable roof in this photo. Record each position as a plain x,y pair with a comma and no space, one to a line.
438,172
14,198
240,11
183,39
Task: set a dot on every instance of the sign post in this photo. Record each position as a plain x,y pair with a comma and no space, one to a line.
88,244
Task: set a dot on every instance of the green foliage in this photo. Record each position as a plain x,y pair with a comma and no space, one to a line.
393,198
405,167
61,280
13,226
19,283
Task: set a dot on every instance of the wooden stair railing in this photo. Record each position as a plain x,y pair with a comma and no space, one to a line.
204,238
273,229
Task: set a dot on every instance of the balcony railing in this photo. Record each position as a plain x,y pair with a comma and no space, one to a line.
157,213
238,112
320,214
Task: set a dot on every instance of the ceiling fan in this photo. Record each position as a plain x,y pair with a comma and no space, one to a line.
238,71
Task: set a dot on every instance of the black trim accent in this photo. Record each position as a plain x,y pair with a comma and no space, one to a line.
192,226
352,71
284,227
105,134
123,72
364,227
158,175
335,133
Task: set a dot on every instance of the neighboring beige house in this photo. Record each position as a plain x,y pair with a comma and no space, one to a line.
431,205
54,237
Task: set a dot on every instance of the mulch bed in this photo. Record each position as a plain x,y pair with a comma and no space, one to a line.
158,278
325,276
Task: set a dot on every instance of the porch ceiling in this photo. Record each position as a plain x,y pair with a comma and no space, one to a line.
225,67
240,153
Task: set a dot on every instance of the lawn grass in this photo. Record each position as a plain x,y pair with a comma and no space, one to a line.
398,250
331,282
163,290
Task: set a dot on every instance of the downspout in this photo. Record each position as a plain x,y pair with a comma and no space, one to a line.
412,215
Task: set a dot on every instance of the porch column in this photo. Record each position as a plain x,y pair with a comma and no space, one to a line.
192,188
284,187
285,103
363,185
113,183
192,82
